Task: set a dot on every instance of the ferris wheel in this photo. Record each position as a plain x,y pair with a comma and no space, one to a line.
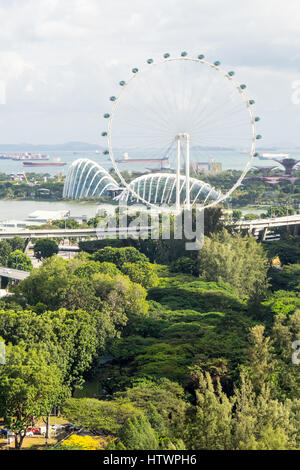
185,113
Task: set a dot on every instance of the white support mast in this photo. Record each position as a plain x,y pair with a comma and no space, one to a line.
187,172
185,138
178,138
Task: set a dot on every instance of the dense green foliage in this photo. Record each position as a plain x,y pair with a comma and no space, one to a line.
18,260
45,248
190,352
29,387
237,260
13,190
8,246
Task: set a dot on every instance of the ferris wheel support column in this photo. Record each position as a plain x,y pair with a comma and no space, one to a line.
178,138
187,171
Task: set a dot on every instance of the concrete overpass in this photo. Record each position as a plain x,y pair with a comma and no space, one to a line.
257,226
71,233
261,227
13,273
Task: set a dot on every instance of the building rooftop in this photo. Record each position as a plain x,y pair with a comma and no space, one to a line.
46,216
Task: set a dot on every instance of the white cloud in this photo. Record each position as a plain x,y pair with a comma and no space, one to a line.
62,58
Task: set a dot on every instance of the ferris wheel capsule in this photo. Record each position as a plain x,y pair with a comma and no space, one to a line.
105,152
106,115
251,102
217,63
231,73
243,86
122,83
135,70
258,137
166,55
112,98
184,54
104,134
257,118
201,56
256,154
150,61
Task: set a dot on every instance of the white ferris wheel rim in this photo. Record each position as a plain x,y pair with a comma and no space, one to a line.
239,90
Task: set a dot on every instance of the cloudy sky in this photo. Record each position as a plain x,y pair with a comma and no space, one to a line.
60,60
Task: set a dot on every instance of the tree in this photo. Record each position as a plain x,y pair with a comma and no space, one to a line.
79,294
55,285
119,256
286,279
137,434
29,388
78,442
45,248
160,400
17,243
238,260
236,215
141,272
46,284
185,265
18,260
87,269
5,250
279,211
210,426
259,358
67,223
260,422
250,216
121,294
212,220
72,339
286,330
245,421
98,415
287,248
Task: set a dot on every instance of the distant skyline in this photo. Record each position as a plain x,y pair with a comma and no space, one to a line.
60,60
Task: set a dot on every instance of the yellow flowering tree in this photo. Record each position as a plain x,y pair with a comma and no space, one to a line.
76,442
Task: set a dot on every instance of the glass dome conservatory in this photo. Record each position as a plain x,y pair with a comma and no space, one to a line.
86,178
160,188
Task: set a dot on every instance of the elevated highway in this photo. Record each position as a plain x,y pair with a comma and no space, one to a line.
71,233
13,273
255,227
262,226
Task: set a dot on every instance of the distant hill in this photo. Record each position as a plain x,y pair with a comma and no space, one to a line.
72,146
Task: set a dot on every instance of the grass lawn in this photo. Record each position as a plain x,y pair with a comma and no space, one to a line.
35,442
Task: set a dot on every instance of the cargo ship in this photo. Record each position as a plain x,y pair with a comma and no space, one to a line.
24,156
127,159
43,164
268,155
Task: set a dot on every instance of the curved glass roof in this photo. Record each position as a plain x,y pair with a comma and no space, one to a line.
86,178
160,188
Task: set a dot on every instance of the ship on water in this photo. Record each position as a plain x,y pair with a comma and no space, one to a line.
272,156
27,156
127,159
28,163
268,155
